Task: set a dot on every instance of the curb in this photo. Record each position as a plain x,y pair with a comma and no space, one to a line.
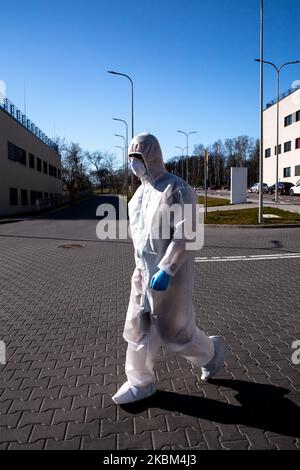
10,221
253,226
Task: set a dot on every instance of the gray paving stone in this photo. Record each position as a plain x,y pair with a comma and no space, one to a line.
62,315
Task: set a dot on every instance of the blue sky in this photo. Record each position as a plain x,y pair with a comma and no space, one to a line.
192,63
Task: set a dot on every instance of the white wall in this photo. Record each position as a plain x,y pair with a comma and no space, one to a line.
288,105
15,175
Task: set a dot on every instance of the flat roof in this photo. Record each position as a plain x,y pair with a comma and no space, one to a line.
284,95
8,107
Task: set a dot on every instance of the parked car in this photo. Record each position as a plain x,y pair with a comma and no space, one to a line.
255,188
295,189
283,187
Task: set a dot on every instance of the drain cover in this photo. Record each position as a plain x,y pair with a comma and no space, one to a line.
70,246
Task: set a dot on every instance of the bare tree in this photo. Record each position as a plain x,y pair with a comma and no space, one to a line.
74,168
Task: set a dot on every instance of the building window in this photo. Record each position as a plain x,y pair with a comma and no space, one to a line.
13,196
297,170
16,153
298,116
297,146
267,153
45,167
59,174
287,172
24,197
21,155
288,120
51,195
38,164
12,154
288,146
46,196
52,171
32,197
31,160
279,148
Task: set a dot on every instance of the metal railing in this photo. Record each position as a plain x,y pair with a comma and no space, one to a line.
53,202
19,116
290,91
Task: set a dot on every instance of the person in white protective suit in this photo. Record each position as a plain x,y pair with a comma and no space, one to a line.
160,310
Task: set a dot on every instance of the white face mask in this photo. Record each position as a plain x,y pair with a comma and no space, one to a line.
138,167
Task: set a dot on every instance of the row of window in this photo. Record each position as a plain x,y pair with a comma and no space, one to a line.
19,155
288,120
287,148
287,171
34,195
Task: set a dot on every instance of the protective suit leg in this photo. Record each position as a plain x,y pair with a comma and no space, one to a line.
199,350
140,359
141,336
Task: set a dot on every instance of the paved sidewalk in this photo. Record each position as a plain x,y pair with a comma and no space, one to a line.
251,203
62,314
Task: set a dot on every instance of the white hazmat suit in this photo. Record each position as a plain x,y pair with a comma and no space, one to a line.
155,318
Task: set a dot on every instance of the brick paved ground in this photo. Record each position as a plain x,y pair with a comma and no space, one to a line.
62,315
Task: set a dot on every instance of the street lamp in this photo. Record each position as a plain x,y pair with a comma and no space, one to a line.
132,107
126,153
278,70
182,149
261,150
122,137
187,151
123,150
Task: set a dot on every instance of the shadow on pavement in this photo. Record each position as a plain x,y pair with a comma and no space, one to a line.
262,406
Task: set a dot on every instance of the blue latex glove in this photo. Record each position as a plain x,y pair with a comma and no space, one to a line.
160,280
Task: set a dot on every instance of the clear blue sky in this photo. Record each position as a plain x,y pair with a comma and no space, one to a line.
191,61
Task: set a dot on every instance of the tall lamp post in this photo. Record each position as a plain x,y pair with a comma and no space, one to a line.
126,152
124,149
187,134
132,115
182,149
278,70
132,96
261,150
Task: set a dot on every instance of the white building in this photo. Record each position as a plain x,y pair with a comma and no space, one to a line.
289,139
30,166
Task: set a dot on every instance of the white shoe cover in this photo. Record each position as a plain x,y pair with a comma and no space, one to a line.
214,365
130,393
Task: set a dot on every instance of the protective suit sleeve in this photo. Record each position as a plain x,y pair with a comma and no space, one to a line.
184,230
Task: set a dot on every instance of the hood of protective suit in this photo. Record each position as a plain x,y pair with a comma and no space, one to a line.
149,147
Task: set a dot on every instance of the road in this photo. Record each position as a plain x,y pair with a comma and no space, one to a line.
62,313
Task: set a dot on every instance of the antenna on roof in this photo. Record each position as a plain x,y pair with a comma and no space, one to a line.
25,98
2,91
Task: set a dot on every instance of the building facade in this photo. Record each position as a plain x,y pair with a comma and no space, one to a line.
289,139
30,166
